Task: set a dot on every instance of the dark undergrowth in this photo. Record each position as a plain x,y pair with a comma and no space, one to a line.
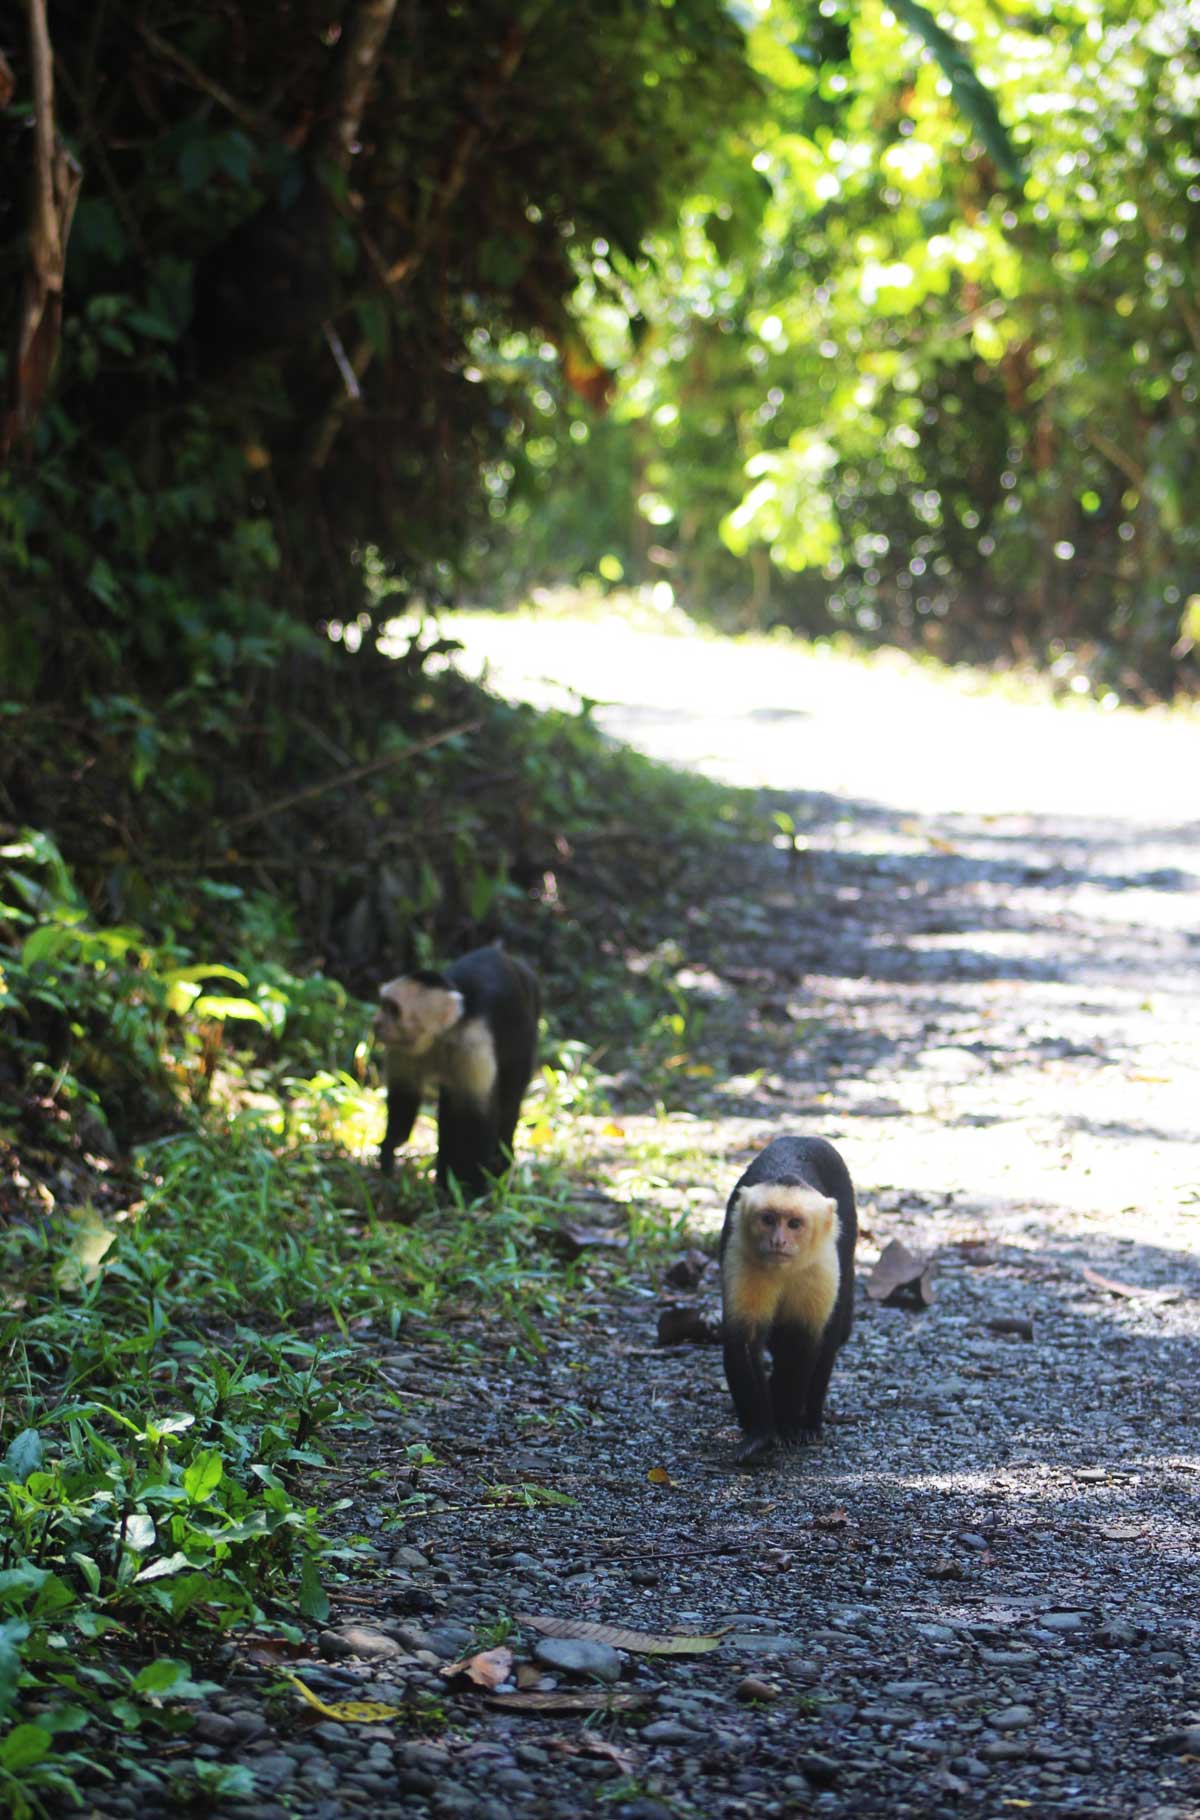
197,1256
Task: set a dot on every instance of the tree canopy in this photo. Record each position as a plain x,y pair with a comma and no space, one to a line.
860,317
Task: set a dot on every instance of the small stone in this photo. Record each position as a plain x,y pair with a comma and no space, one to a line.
820,1771
1008,1658
450,1641
214,1728
1004,1750
1118,1633
272,1771
405,1556
1012,1718
358,1640
755,1643
579,1656
668,1731
1062,1620
750,1687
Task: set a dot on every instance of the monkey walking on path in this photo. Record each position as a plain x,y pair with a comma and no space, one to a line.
787,1287
471,1031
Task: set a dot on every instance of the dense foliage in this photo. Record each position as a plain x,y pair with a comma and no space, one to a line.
234,275
878,384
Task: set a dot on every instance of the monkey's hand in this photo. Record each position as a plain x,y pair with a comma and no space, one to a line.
754,1450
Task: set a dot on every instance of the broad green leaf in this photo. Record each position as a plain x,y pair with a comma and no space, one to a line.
139,1532
17,1583
24,1456
24,1746
12,1634
222,1008
203,1476
974,100
163,1568
313,1602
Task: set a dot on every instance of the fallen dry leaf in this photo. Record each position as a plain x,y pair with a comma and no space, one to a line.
586,1700
596,1746
1127,1290
641,1642
901,1277
658,1475
831,1519
946,1568
488,1669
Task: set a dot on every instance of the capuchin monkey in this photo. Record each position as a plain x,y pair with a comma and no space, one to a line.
471,1031
787,1286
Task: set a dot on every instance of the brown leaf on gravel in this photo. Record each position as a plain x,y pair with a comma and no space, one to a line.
641,1642
946,1568
596,1746
265,1652
901,1277
488,1669
831,1519
529,1676
591,1744
586,1700
682,1325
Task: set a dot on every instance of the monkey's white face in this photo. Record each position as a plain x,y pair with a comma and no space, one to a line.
412,1016
784,1225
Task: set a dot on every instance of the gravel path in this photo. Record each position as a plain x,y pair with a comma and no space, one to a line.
978,1595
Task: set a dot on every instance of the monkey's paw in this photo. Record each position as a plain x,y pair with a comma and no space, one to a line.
754,1450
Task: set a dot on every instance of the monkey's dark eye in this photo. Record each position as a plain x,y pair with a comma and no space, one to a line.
795,1225
768,1219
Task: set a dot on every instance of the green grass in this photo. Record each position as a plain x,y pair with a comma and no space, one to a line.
178,1372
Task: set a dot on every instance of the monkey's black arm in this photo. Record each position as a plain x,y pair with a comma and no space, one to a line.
750,1391
403,1104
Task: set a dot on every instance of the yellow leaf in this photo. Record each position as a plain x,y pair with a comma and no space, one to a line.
612,1130
351,1712
699,1070
540,1136
658,1475
90,1241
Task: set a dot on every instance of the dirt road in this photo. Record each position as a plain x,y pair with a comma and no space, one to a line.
978,974
974,967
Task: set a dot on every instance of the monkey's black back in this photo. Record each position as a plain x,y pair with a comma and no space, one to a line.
810,1162
505,994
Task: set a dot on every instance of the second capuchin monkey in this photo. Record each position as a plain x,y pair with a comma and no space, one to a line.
471,1031
787,1288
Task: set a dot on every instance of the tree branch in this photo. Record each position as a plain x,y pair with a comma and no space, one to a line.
361,47
54,191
